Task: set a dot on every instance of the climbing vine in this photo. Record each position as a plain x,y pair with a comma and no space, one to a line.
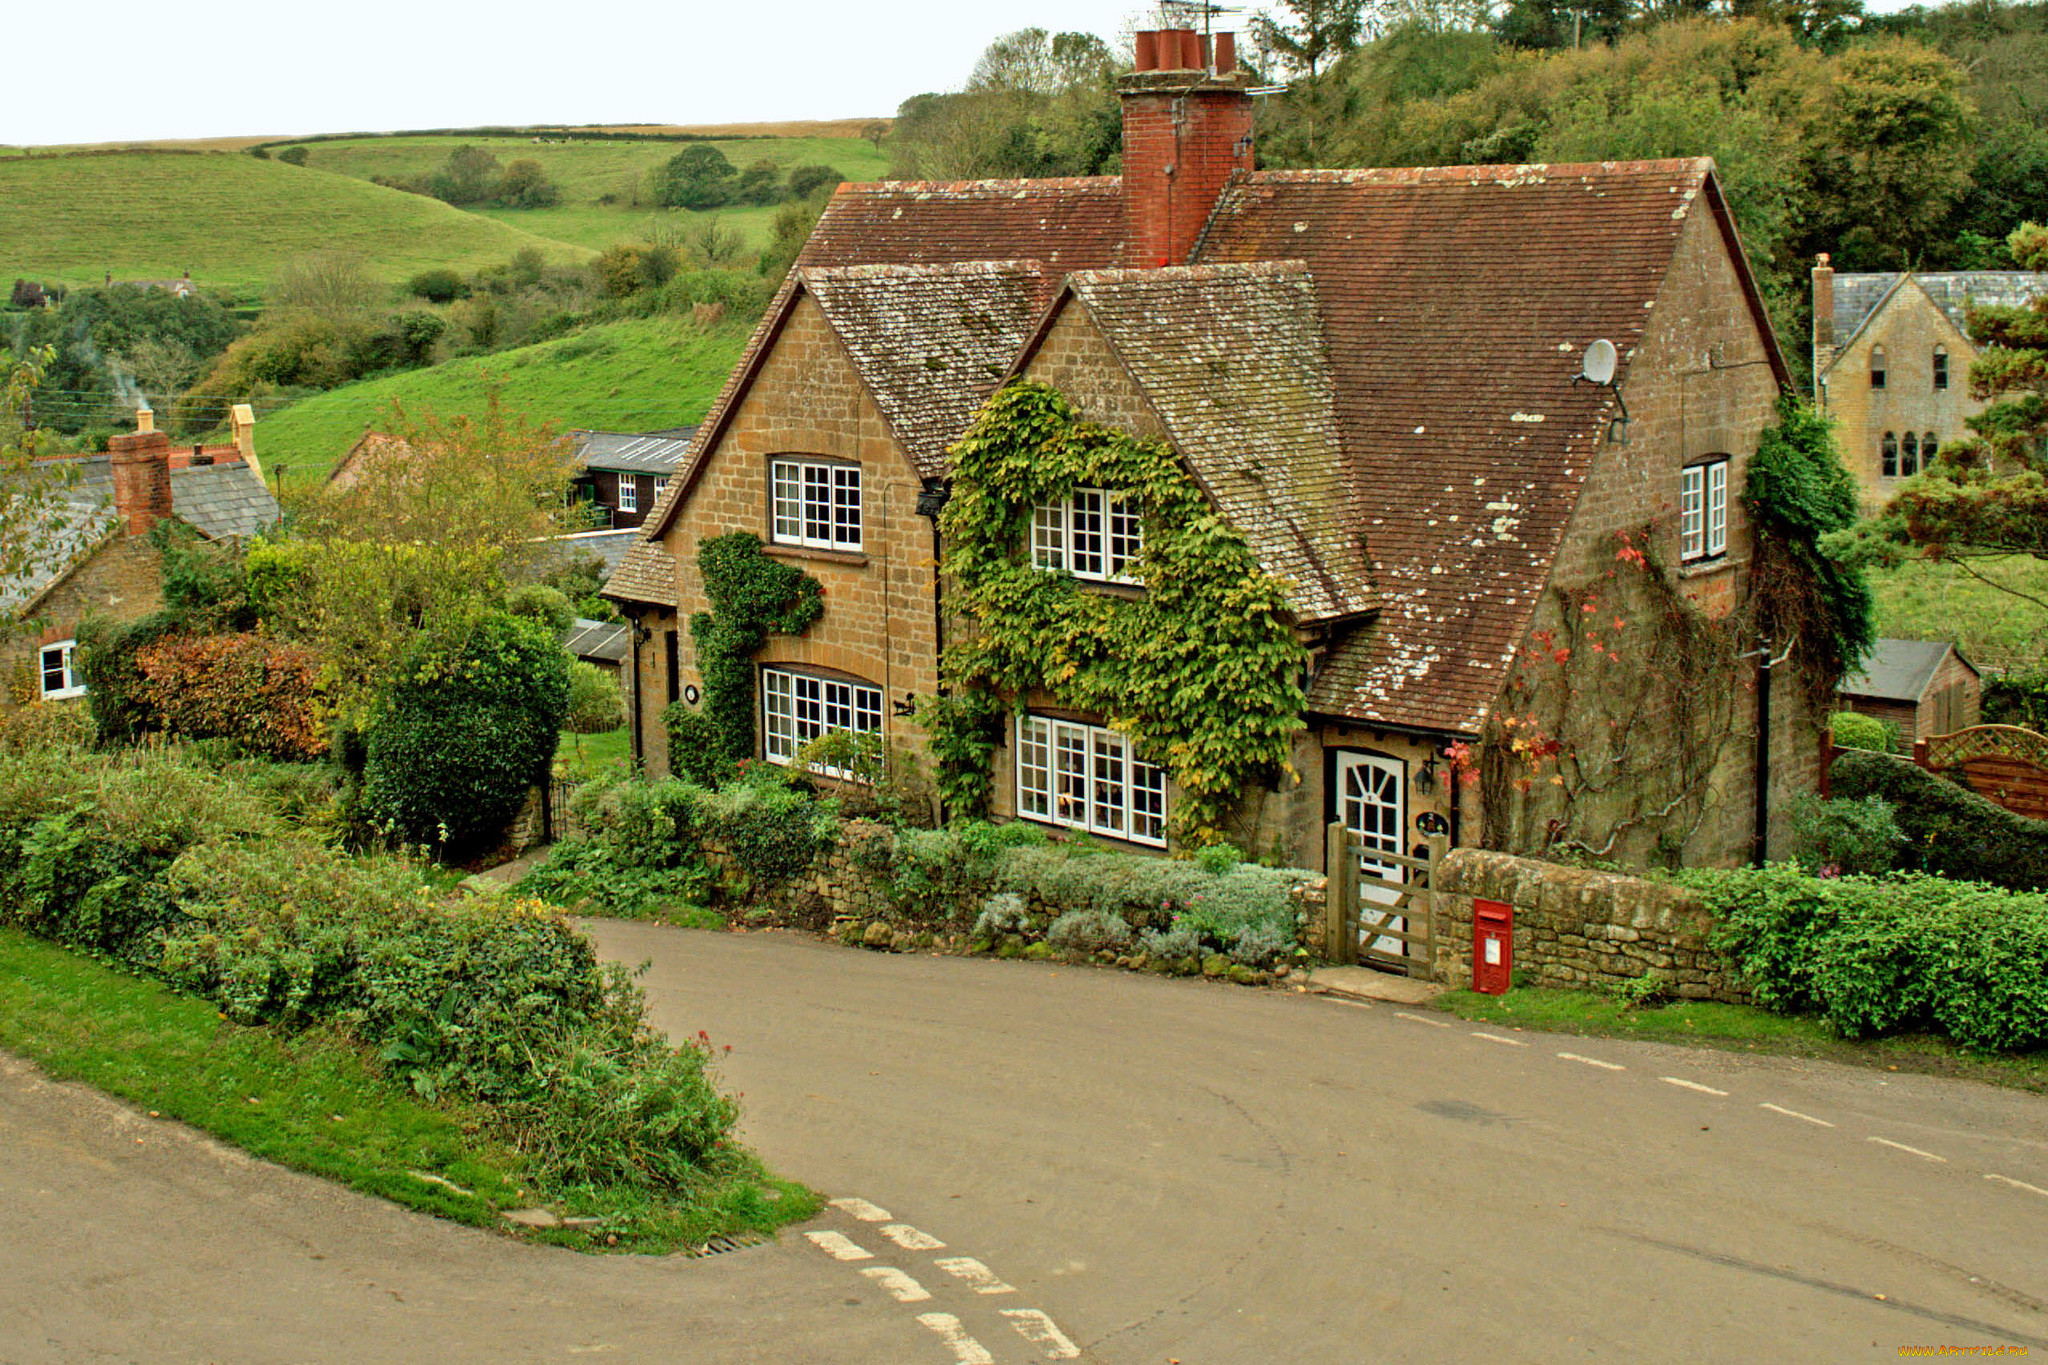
1201,671
751,596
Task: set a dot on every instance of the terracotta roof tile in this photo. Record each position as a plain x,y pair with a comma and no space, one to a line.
1232,360
931,342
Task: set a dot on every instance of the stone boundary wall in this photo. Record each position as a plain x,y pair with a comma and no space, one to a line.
1580,929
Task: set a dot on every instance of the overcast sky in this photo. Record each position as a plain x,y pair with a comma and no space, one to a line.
124,70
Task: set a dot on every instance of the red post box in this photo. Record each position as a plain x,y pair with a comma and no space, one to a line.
1493,946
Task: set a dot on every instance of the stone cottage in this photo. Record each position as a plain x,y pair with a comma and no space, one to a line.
1891,363
1376,376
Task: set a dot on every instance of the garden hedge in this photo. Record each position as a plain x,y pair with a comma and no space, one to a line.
1949,829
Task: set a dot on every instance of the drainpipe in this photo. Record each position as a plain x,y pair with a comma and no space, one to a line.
1761,847
635,635
931,501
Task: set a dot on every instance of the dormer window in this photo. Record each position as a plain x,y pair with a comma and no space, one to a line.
1094,533
1940,368
1877,364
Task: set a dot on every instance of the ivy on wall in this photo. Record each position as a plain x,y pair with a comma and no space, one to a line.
1201,671
751,597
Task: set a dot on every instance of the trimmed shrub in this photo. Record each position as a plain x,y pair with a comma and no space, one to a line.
469,723
1948,828
771,829
1854,730
1089,931
1858,837
1874,955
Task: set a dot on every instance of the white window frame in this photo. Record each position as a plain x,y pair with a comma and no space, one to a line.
1093,533
797,708
66,670
660,486
629,493
1088,778
1703,511
815,504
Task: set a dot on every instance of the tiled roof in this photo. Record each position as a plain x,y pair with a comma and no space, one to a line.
633,452
1232,360
930,342
645,574
1457,302
1857,294
221,500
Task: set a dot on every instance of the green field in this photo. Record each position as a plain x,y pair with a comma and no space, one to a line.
232,220
590,169
638,375
1995,630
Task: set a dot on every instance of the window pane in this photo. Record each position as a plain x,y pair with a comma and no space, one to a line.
810,708
1070,774
789,516
778,710
1928,448
1148,802
629,493
1940,368
1034,767
817,505
1889,456
846,508
1126,537
1717,508
1049,536
1691,518
1108,813
56,668
1084,553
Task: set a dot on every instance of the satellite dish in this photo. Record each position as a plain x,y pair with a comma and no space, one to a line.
1598,365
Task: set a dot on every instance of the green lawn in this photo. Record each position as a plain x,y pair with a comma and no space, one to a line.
1742,1028
589,755
637,375
231,219
1926,601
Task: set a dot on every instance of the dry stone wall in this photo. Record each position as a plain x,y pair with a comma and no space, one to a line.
1580,929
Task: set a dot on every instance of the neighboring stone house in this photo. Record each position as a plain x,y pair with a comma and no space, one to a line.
1921,688
1891,363
102,564
1372,376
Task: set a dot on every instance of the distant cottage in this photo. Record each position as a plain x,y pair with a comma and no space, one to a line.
1372,375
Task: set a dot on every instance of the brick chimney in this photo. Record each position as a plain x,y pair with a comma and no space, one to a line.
142,478
1823,324
1187,130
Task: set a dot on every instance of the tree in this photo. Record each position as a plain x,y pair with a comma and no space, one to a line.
525,185
336,286
697,177
1320,32
873,131
293,156
1987,494
469,176
1037,104
759,183
805,181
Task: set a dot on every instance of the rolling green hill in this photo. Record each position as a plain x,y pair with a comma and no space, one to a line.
231,219
638,375
590,169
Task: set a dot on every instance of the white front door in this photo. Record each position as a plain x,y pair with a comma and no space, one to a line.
1369,802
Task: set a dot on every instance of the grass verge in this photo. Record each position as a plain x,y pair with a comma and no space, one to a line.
314,1102
1739,1028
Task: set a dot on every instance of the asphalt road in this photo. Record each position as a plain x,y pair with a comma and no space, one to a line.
1053,1163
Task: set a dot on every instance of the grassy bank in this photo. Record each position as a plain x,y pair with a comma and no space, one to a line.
1739,1028
315,1103
1929,601
639,375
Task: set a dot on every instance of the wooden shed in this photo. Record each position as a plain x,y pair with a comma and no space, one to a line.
1922,687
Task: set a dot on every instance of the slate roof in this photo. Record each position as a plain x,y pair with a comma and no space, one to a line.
930,342
634,452
609,546
1233,362
1857,294
1898,670
595,640
223,500
1457,302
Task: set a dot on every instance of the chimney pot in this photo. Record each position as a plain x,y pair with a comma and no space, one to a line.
1191,51
1147,51
243,419
141,466
1226,53
145,419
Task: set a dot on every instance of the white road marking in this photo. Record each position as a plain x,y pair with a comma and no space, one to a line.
980,1277
861,1209
1038,1329
910,1239
839,1246
1592,1061
1914,1150
1795,1114
2016,1184
901,1287
1692,1085
1496,1038
966,1350
1433,1023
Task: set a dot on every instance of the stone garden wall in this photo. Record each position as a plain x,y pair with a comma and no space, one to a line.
1580,929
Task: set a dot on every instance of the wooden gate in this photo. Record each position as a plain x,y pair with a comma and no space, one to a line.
1380,907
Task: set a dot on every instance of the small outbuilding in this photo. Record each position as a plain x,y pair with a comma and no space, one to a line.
1921,687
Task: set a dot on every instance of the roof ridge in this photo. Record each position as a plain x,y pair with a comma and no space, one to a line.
1287,265
882,270
1070,182
1513,173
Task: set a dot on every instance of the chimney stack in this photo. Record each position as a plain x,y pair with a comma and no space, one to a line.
141,463
243,419
1187,130
1823,324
